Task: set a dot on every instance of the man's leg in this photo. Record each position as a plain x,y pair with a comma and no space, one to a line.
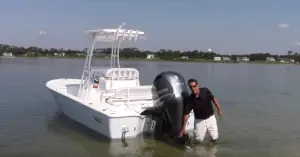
199,130
212,129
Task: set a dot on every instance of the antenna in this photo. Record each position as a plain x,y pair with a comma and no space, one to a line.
116,48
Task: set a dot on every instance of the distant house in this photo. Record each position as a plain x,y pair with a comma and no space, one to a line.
184,57
286,60
30,54
60,54
217,58
270,59
245,59
7,54
150,56
226,59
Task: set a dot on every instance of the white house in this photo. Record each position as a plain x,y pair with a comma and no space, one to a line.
184,57
226,59
7,54
245,59
270,59
217,58
150,56
60,54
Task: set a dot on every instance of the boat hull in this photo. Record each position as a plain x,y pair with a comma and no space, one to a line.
110,127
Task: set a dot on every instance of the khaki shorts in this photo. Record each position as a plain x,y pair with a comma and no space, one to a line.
209,125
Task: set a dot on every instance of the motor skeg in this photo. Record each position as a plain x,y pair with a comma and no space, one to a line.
171,90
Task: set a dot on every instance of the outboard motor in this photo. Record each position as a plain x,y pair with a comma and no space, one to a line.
171,89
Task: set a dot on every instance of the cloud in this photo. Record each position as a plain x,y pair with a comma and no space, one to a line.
43,32
283,25
297,43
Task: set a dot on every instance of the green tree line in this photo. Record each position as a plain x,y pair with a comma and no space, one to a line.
136,53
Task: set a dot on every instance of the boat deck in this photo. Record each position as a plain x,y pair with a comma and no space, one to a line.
118,108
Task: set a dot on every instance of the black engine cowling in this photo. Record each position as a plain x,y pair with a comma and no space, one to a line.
171,89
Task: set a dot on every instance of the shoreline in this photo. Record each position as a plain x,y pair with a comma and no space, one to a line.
159,60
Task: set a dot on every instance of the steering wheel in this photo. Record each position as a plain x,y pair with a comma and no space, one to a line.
96,77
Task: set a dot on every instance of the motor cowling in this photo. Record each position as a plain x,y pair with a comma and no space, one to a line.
171,90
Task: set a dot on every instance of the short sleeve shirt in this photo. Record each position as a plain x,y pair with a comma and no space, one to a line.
201,105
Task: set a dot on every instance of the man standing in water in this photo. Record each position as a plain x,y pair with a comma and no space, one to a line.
200,101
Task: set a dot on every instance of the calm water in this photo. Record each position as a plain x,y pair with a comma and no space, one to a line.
260,109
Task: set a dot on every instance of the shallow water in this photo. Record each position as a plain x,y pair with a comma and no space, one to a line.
260,107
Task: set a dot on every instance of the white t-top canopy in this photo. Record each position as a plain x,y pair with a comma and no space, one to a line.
114,34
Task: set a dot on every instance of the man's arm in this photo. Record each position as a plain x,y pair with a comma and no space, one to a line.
186,115
185,119
218,106
215,101
186,112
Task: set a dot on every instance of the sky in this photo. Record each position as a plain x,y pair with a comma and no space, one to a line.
225,26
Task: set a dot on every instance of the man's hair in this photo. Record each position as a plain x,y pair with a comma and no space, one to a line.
192,80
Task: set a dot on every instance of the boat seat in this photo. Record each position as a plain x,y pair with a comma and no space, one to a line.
137,93
116,78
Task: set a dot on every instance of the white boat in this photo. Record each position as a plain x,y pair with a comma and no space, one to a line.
111,100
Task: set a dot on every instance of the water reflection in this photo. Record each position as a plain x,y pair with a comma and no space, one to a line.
93,143
96,145
207,151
